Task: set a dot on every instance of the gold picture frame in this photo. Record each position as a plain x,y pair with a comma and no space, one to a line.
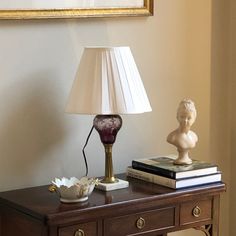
54,13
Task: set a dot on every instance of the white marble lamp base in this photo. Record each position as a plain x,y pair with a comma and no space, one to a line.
113,186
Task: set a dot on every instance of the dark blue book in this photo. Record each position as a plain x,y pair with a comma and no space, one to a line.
164,166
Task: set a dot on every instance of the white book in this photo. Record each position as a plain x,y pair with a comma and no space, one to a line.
173,183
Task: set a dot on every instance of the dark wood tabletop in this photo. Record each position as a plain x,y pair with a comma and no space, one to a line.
41,203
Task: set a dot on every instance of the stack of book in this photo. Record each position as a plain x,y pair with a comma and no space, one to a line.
163,171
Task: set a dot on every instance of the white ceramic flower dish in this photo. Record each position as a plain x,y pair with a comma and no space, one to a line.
73,189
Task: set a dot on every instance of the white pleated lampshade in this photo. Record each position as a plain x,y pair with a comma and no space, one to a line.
108,82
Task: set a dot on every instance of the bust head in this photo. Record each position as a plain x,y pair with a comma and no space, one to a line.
186,113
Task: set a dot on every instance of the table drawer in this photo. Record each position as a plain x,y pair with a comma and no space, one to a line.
191,212
140,222
86,229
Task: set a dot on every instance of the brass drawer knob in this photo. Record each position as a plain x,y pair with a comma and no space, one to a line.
79,232
140,223
196,211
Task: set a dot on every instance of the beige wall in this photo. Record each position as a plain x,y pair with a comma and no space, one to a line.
233,113
220,116
38,141
223,87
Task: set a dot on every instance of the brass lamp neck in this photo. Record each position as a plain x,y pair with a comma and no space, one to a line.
109,175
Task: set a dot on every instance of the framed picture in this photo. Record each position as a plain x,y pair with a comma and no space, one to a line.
45,9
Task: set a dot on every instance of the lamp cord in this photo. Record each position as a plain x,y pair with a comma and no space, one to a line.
83,150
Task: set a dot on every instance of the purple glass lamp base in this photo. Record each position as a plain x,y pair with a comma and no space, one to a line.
108,127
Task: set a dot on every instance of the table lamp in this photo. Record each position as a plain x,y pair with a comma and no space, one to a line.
107,84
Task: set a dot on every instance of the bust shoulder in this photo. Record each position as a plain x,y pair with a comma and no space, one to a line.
172,136
193,135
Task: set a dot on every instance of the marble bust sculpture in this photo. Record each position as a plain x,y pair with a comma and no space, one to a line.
183,138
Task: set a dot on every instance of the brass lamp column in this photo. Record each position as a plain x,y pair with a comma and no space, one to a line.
109,175
108,127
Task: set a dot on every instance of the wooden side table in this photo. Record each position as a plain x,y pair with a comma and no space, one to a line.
142,209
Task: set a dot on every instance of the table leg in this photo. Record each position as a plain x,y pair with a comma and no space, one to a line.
212,229
205,229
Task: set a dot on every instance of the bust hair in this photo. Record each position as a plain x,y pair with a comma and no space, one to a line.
187,105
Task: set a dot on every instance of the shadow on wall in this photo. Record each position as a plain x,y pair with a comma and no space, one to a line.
31,126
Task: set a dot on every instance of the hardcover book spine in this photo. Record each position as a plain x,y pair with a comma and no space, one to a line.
152,178
153,169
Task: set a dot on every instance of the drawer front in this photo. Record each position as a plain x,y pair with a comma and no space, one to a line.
86,229
140,222
192,212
